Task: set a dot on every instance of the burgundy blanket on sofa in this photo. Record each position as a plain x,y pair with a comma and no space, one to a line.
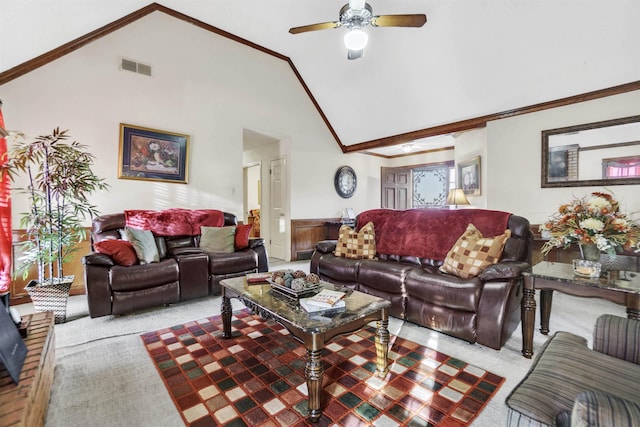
428,233
174,222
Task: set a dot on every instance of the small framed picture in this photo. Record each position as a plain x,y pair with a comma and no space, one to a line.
469,176
153,155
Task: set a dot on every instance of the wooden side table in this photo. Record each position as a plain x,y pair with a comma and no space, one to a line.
25,404
620,287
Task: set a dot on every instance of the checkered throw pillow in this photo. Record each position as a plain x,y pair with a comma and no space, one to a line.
356,245
472,253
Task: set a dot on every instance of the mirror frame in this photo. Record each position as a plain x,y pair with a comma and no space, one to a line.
545,183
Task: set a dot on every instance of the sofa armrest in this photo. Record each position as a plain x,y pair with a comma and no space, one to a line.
185,250
503,270
193,267
263,257
594,408
97,285
326,246
254,242
617,337
95,258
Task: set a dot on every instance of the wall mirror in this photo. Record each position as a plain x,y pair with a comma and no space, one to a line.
601,153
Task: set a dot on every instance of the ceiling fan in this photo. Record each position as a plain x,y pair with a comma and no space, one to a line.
356,15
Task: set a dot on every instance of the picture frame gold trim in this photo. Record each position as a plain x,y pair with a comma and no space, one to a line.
469,177
153,155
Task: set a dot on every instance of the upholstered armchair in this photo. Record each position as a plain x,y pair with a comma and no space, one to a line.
570,385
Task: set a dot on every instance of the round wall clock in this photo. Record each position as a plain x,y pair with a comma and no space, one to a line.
345,181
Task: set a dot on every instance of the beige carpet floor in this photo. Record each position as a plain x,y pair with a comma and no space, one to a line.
104,377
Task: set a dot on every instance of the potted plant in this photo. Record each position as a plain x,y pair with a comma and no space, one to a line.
60,181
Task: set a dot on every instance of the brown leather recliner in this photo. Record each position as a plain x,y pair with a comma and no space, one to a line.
184,272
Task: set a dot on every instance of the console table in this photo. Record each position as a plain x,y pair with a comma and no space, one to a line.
25,404
620,287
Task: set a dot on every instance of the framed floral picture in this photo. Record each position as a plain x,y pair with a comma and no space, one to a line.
469,176
153,155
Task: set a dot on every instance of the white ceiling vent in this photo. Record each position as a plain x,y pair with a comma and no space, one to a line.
136,67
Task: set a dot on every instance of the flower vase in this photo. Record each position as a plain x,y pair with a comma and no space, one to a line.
590,252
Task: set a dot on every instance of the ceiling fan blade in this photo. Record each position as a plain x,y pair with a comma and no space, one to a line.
314,27
416,20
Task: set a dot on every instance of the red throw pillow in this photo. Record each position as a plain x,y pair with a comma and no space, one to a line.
242,236
121,251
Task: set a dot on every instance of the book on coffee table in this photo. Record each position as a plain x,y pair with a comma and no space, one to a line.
258,278
326,298
311,308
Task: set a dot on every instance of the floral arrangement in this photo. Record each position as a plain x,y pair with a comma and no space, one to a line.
594,220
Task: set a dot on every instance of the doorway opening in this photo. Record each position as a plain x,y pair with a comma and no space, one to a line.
261,154
252,196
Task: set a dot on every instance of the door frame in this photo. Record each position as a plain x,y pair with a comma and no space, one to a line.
286,245
245,191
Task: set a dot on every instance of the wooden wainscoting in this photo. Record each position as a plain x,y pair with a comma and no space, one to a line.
305,233
18,293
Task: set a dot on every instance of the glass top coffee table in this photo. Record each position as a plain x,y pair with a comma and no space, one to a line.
312,329
620,287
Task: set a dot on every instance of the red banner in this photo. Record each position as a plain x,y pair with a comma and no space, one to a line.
5,218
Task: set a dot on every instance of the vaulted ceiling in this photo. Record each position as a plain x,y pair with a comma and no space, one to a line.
473,60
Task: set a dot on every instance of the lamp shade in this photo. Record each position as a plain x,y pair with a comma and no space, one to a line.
356,39
456,197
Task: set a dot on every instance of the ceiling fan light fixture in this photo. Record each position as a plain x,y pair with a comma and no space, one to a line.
355,54
356,39
356,4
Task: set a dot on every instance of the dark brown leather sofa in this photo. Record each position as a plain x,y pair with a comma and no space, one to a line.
411,246
184,272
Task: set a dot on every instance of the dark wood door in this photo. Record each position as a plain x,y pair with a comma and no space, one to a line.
396,188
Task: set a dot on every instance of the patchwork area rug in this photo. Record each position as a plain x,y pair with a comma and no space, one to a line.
257,378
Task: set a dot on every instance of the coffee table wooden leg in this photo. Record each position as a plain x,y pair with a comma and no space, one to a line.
633,306
225,311
546,298
313,372
528,317
382,348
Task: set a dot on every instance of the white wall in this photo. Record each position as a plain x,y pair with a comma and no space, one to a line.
203,85
313,170
470,144
514,152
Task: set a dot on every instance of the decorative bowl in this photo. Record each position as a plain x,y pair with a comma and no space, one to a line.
586,268
309,289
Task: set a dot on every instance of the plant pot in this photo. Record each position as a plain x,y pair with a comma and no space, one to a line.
51,296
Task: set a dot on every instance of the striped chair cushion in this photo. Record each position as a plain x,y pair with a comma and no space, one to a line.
617,337
563,368
602,409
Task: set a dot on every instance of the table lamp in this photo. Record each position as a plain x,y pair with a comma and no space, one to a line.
456,197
